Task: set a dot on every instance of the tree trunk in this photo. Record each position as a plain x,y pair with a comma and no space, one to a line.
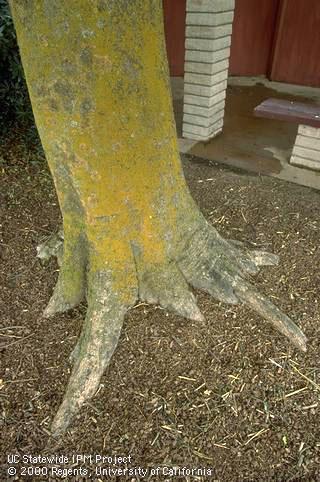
98,80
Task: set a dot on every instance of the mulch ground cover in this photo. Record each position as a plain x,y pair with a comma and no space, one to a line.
228,395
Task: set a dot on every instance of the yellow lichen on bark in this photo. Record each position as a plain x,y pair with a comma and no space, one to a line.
99,88
98,81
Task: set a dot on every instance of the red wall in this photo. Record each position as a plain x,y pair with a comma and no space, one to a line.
297,44
276,38
252,36
174,25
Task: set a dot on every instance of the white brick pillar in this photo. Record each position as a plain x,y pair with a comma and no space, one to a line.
306,150
208,40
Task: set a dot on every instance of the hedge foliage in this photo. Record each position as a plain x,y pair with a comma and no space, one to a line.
14,99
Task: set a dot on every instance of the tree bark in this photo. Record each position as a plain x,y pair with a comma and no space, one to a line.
98,80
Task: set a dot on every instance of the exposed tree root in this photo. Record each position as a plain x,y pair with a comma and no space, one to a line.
259,303
204,260
51,247
97,342
221,268
168,288
70,287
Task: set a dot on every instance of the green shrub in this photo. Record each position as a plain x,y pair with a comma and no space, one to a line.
14,99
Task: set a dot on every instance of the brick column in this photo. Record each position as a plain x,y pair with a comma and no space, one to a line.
306,150
208,40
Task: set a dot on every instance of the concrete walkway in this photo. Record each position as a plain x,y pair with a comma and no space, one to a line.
258,145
